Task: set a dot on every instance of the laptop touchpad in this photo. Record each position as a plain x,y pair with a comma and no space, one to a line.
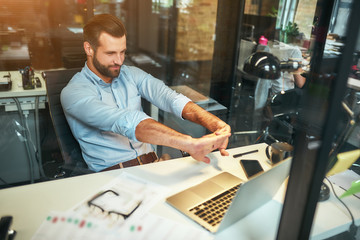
207,189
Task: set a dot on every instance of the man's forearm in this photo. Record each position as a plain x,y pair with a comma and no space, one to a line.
196,114
153,132
299,80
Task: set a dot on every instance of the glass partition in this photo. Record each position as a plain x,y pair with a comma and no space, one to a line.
34,36
198,48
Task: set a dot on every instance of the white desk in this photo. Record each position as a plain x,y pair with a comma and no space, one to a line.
29,205
25,97
353,83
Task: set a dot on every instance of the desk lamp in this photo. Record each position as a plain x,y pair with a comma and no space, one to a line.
341,162
264,65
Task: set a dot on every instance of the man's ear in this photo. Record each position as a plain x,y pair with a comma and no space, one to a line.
88,49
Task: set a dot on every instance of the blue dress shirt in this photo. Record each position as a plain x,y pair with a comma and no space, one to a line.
103,116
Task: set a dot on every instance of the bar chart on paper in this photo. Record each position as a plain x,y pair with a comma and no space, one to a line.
151,227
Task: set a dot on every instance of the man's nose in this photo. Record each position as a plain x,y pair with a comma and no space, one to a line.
119,59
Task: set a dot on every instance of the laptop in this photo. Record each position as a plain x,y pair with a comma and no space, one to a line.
224,199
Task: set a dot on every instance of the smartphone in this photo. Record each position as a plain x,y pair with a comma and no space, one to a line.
251,167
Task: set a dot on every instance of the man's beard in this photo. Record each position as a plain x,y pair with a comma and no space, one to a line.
104,70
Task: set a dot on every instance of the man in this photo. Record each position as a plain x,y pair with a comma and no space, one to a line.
102,104
287,80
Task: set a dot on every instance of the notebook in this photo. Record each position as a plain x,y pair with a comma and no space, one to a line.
224,199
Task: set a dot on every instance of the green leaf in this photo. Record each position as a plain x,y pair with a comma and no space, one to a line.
355,188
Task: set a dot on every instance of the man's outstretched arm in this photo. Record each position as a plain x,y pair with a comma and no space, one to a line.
196,114
153,132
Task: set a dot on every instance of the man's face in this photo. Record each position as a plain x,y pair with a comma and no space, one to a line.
109,56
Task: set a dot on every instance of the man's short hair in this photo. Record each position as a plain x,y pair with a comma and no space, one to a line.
102,23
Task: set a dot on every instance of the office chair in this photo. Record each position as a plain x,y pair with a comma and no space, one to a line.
74,163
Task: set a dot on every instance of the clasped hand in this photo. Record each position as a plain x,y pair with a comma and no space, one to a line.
200,147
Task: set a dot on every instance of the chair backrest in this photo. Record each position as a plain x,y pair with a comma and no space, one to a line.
56,80
286,103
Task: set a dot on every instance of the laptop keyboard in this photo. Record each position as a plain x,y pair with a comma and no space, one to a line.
213,210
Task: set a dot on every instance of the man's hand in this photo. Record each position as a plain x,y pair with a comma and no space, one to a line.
224,130
198,148
151,131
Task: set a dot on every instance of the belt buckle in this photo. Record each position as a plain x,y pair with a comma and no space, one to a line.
147,158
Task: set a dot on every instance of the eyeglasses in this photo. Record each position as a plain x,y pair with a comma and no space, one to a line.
113,204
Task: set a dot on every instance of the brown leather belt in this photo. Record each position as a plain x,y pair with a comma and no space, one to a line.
143,159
